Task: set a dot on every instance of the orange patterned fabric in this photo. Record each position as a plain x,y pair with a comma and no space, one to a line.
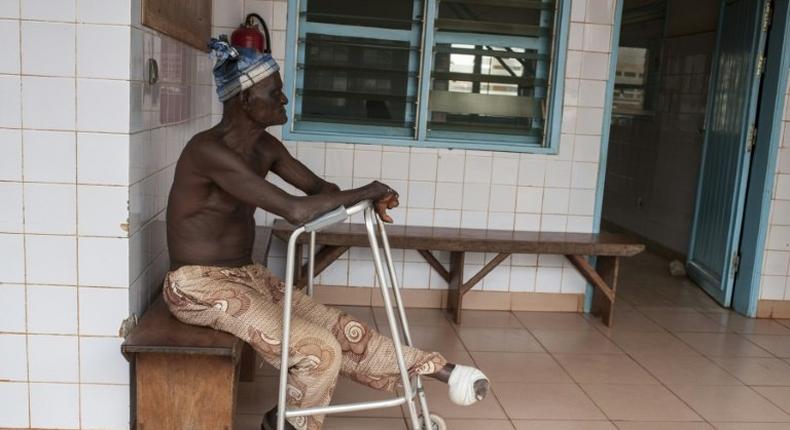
246,302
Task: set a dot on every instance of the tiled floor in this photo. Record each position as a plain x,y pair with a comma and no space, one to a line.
673,360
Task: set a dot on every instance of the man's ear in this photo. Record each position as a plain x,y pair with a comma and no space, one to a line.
244,97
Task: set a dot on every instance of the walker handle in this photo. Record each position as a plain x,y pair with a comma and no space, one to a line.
332,217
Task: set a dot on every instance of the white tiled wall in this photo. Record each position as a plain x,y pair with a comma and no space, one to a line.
86,157
480,189
164,116
64,124
775,280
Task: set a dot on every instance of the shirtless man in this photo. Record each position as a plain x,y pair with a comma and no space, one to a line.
219,183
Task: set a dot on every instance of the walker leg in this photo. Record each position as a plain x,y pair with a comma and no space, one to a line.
370,219
311,265
404,324
285,345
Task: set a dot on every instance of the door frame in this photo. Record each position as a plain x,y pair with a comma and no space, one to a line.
605,129
746,290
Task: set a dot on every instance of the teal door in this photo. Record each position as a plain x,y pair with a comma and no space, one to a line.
730,128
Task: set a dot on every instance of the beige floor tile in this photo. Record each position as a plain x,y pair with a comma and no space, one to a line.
684,321
535,367
776,345
553,321
729,404
604,369
756,371
346,423
578,342
433,338
546,402
750,426
639,403
364,313
784,322
458,357
673,307
643,300
490,319
416,317
744,325
723,345
563,425
685,369
643,425
498,339
440,404
780,396
455,424
651,343
629,321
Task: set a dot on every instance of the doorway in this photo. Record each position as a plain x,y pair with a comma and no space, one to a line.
684,119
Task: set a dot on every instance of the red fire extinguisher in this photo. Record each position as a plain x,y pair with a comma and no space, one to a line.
248,35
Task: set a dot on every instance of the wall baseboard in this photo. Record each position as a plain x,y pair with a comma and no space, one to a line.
773,309
437,299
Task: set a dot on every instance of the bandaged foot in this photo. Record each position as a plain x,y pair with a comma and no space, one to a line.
467,385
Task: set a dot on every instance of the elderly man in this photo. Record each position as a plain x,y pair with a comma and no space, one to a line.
219,183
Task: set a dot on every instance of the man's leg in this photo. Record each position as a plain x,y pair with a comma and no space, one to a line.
368,357
226,300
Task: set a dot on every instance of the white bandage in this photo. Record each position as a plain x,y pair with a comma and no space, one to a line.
462,384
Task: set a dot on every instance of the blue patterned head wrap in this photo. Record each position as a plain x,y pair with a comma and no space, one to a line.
237,69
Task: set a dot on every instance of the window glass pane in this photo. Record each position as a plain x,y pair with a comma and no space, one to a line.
485,79
383,14
357,66
630,80
357,80
516,17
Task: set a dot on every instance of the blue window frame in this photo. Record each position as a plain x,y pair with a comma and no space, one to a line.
494,71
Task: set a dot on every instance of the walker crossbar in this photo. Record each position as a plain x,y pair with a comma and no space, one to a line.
398,325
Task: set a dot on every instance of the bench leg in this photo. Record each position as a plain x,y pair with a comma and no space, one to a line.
455,294
177,392
298,274
248,363
607,269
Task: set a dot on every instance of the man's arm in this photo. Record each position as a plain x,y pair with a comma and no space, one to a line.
296,173
228,170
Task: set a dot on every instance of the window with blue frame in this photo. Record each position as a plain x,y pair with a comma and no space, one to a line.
481,74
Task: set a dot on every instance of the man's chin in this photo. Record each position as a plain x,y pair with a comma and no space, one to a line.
277,121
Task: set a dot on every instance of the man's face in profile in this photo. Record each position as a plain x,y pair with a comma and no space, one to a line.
265,102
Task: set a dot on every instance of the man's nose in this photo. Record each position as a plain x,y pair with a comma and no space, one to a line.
284,100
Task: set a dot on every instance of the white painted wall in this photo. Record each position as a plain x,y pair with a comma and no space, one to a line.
775,279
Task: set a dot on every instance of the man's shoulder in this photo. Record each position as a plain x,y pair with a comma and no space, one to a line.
204,145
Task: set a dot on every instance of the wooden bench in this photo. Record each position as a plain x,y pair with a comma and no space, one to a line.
185,376
608,248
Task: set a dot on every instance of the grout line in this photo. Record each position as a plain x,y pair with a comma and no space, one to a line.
77,226
24,224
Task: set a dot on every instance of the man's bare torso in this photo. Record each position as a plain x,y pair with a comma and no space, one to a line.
205,224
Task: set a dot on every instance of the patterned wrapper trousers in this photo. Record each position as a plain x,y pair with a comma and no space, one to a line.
246,302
